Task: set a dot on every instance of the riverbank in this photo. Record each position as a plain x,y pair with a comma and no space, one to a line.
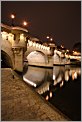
19,102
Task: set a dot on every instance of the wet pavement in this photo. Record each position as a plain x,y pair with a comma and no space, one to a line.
20,102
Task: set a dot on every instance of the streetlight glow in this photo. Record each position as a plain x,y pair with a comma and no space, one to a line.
51,39
47,37
12,16
24,23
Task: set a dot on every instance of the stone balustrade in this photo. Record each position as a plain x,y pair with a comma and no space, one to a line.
37,45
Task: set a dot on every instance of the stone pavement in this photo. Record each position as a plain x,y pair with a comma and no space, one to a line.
20,102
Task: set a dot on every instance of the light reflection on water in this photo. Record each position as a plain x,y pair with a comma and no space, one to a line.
61,86
37,75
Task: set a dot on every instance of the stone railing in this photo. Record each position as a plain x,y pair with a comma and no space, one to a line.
37,46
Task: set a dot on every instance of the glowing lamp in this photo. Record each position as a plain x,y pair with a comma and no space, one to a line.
12,16
25,23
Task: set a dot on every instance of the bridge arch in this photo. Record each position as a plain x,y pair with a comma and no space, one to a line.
36,58
7,53
6,60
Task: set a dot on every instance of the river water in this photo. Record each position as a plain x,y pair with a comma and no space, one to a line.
61,86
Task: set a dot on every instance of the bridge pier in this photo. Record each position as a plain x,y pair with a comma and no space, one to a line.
18,47
18,59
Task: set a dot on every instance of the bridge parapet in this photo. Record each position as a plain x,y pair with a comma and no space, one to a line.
7,36
73,57
36,46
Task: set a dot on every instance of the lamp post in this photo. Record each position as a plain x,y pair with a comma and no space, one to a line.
25,23
12,17
49,38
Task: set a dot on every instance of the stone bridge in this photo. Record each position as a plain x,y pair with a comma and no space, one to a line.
38,54
13,46
17,46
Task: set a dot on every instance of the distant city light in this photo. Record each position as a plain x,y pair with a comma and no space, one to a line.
47,37
62,46
76,53
67,50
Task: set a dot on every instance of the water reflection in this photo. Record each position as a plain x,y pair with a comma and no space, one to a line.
61,86
62,74
36,76
42,78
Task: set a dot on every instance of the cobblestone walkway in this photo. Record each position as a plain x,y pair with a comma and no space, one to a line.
19,102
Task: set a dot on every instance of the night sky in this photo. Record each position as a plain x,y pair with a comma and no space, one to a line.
59,19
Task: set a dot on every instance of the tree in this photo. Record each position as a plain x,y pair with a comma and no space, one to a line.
77,47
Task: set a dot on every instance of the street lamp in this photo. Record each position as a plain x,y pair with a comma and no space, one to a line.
25,23
12,17
47,37
51,39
